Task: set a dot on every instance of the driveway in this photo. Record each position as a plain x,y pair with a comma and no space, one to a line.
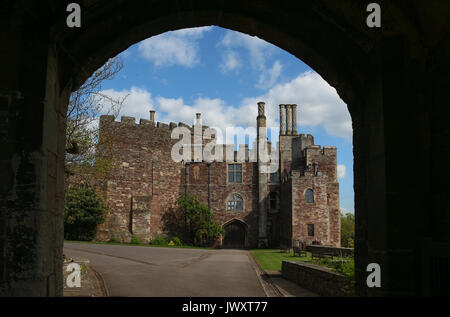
153,271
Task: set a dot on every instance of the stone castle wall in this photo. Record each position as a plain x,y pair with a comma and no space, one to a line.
141,173
145,182
220,190
323,212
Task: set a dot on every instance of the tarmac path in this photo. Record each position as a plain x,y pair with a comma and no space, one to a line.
171,272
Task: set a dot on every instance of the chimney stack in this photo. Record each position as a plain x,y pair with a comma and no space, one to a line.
261,108
294,119
152,115
198,115
288,120
282,119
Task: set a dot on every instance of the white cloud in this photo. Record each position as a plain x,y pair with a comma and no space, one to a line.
258,52
341,171
231,62
257,48
215,112
173,48
318,105
137,104
269,77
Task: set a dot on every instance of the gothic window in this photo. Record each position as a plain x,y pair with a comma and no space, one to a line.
309,196
273,200
234,173
235,202
310,230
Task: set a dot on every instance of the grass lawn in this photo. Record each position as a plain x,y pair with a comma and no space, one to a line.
271,259
141,245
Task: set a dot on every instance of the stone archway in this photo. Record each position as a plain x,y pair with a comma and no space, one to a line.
394,80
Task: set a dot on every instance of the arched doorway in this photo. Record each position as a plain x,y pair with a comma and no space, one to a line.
235,234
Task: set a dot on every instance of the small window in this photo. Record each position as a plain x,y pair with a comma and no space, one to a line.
234,173
273,200
309,196
235,202
310,230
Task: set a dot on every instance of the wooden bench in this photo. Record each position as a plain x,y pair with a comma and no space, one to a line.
299,251
321,254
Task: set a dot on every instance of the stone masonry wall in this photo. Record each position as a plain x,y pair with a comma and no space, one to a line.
318,279
323,212
145,183
140,169
220,190
304,213
286,212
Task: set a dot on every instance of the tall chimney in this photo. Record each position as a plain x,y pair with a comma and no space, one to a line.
282,120
198,115
262,159
261,108
294,119
152,115
288,120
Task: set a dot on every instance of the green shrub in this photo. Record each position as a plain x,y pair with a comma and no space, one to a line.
159,241
83,212
135,240
346,267
176,241
114,240
347,230
200,224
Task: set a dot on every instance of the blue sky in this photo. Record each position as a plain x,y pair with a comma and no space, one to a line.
223,74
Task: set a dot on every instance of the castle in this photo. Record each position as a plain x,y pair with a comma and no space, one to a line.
257,205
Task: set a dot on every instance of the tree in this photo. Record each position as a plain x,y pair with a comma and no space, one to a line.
198,220
347,230
83,211
85,106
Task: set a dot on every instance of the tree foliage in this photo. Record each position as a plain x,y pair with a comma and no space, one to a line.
82,131
198,220
83,212
347,230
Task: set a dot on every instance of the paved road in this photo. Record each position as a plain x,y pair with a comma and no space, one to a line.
150,271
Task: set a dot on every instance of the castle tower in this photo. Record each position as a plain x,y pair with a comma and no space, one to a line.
263,160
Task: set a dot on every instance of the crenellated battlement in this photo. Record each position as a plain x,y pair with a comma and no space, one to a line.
315,150
127,126
127,121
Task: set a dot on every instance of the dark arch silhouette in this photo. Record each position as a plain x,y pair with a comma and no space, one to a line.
393,79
